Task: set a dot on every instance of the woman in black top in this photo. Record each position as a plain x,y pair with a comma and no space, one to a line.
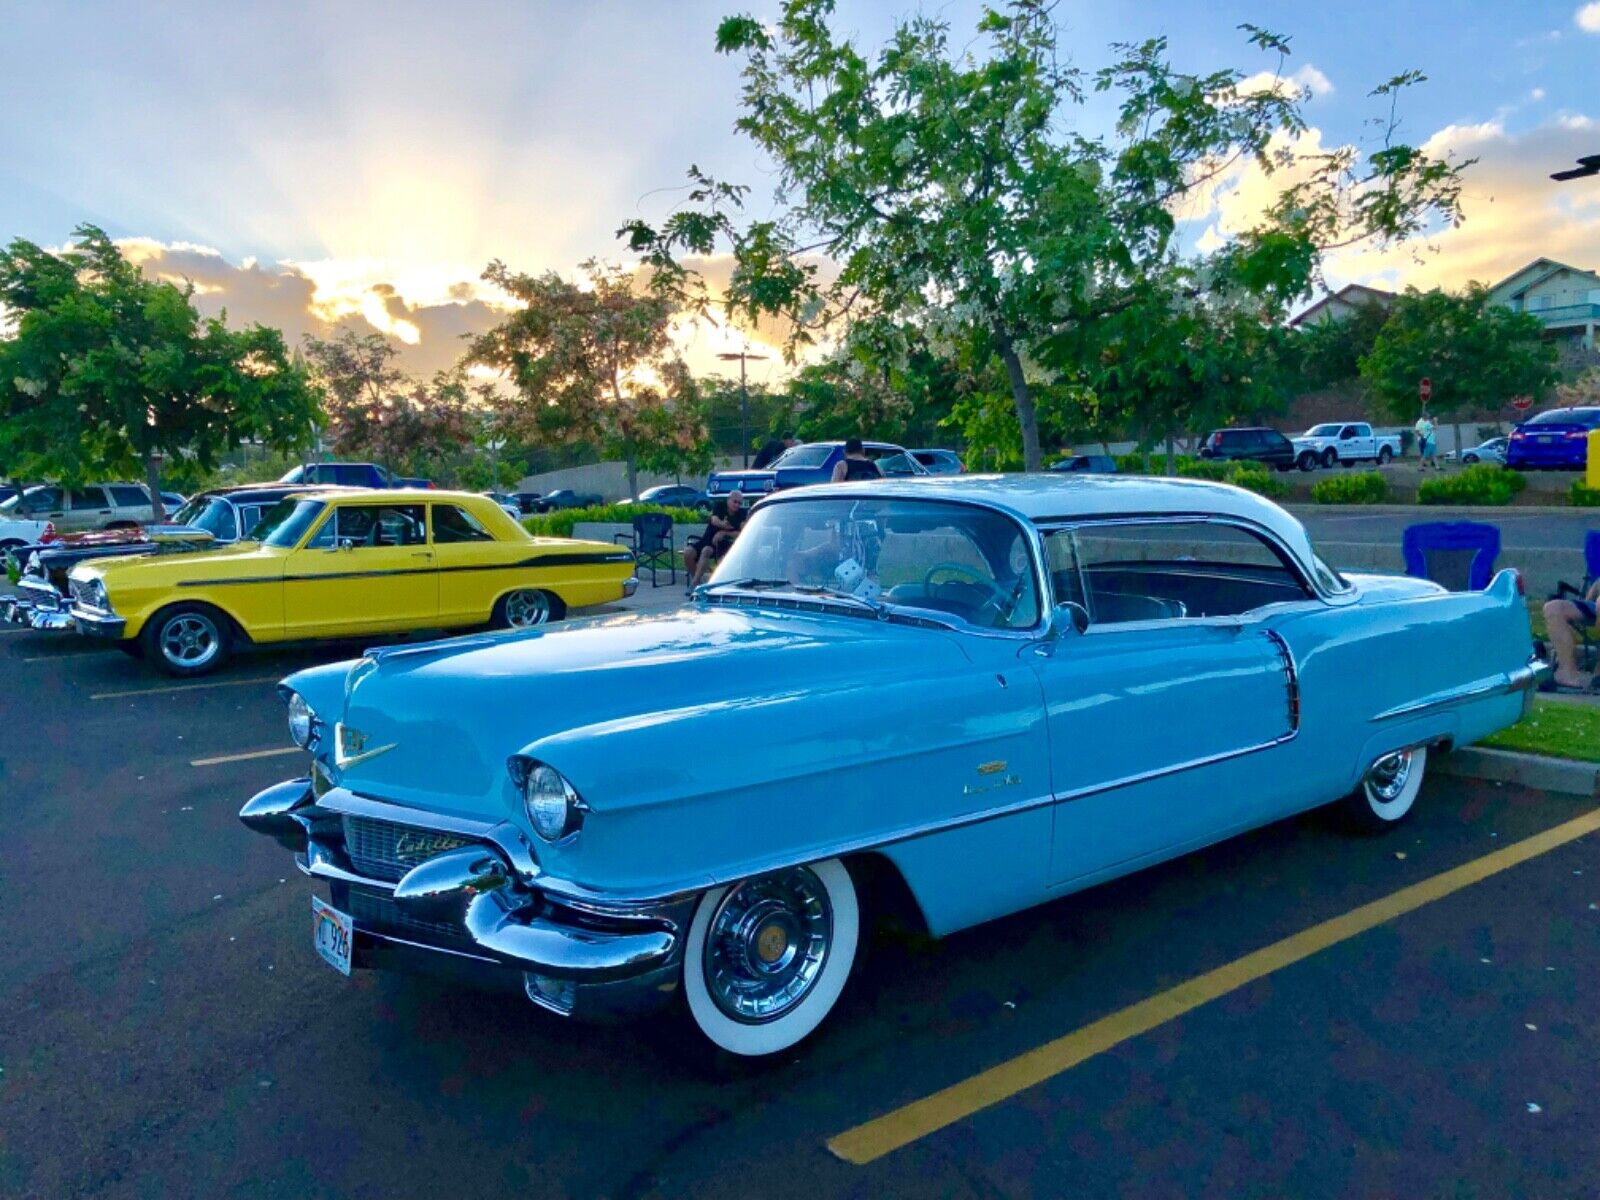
855,464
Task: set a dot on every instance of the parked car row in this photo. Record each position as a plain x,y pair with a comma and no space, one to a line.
46,509
500,804
811,462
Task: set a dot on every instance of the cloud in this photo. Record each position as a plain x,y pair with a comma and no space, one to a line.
1587,18
1308,81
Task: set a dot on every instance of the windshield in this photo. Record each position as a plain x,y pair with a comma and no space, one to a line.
803,456
286,522
211,513
1323,431
901,464
951,559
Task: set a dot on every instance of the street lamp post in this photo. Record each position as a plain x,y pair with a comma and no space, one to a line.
744,396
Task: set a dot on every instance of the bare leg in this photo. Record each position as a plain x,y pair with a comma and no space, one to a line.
1563,617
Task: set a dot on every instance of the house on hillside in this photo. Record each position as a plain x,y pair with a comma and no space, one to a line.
1336,306
1566,300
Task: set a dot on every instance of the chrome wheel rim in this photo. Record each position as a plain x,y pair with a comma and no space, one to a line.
1387,779
766,945
527,608
190,640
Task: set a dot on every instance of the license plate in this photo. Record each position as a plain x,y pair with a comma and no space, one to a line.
1546,440
332,933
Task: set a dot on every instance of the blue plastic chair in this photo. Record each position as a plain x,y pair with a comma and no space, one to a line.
1591,557
1457,554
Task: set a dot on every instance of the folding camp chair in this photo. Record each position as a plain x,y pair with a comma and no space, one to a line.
651,541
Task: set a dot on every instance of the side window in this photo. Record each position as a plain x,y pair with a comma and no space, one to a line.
1350,431
89,499
249,518
126,496
452,524
1168,571
45,499
374,526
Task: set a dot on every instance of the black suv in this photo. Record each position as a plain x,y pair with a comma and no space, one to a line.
1260,445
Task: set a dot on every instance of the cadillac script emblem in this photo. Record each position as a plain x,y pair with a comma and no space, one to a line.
350,746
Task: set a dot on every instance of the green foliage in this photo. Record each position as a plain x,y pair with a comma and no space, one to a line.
1332,350
1479,483
1477,354
1351,487
1554,729
1581,495
103,370
942,174
1216,470
560,522
1251,476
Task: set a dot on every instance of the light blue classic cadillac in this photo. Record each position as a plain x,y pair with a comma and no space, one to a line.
1001,690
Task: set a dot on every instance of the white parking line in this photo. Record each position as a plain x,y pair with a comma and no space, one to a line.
245,757
182,687
64,657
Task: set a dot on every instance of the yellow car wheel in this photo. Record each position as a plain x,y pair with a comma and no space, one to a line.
187,639
527,608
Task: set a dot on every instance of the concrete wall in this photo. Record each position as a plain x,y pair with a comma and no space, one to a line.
610,479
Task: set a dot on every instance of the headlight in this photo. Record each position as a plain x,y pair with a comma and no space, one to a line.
553,807
302,721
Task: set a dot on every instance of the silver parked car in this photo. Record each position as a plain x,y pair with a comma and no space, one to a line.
1492,451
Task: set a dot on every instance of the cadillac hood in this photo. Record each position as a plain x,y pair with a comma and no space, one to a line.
631,709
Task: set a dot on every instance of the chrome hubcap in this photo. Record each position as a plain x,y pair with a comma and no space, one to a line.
766,945
1388,776
189,640
527,608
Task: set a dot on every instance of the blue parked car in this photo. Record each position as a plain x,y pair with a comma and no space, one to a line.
1553,440
812,462
992,691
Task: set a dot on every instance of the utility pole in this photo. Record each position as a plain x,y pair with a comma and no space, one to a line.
744,395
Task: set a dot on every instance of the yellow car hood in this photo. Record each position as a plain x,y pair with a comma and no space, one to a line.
242,560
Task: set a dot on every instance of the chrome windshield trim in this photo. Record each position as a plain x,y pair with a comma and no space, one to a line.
1506,683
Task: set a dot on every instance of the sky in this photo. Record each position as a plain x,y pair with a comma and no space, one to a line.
309,163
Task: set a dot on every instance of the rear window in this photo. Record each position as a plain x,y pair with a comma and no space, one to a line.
804,456
1589,418
129,497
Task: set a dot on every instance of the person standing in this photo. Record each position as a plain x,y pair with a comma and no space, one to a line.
855,464
1427,447
770,450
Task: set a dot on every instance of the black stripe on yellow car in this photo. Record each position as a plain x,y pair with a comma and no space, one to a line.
548,560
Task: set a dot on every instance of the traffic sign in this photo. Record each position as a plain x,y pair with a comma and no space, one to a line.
1425,389
1522,403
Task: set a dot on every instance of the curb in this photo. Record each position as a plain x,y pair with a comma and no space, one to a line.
1564,775
1442,511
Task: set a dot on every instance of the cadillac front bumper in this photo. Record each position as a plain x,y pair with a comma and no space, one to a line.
431,892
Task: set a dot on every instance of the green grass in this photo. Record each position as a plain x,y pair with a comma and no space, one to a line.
1555,729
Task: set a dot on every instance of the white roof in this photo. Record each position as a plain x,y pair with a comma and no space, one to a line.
1047,496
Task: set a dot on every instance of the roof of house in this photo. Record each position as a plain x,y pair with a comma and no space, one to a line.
1351,293
1539,269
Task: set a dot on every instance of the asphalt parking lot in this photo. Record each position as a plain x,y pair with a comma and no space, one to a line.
169,1031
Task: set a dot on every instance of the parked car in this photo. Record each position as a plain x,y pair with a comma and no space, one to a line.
414,483
1492,451
940,462
42,593
507,504
1089,464
25,518
344,564
8,490
1344,442
528,502
171,502
955,698
567,498
810,462
1553,440
675,495
1250,445
344,474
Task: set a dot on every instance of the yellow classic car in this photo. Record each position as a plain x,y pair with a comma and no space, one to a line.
344,563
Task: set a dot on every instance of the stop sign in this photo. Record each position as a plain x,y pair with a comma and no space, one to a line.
1522,403
1425,389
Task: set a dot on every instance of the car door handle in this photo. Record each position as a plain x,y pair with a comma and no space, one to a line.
422,554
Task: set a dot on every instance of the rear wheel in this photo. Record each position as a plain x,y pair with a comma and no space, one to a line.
1385,454
1388,791
1307,460
767,958
527,608
1329,457
186,639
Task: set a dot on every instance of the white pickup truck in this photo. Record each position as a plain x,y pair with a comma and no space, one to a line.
1349,442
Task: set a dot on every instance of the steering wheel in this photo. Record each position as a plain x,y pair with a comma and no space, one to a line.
997,598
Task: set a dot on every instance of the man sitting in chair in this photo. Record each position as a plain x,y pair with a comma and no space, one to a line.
1564,618
702,552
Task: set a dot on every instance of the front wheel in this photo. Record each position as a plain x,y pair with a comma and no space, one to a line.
1385,454
186,639
767,957
1469,457
1388,791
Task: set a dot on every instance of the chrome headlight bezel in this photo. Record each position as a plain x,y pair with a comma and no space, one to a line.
549,801
303,722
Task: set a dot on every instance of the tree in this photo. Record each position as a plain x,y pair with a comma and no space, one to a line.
1332,350
946,187
104,372
594,361
1477,354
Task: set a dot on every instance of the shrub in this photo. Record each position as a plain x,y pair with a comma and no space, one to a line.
1263,481
1132,463
1477,484
560,522
1360,487
1218,471
1583,496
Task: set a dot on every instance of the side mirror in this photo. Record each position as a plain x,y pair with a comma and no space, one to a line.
1071,615
347,543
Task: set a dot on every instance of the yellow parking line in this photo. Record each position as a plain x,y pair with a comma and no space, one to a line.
870,1141
245,757
182,687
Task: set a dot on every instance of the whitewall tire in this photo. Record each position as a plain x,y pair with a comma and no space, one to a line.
768,957
1388,791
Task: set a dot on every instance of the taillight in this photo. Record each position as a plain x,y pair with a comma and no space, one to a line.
49,534
1576,434
1522,589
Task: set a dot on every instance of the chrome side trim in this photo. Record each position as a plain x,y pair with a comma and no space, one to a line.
1523,679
